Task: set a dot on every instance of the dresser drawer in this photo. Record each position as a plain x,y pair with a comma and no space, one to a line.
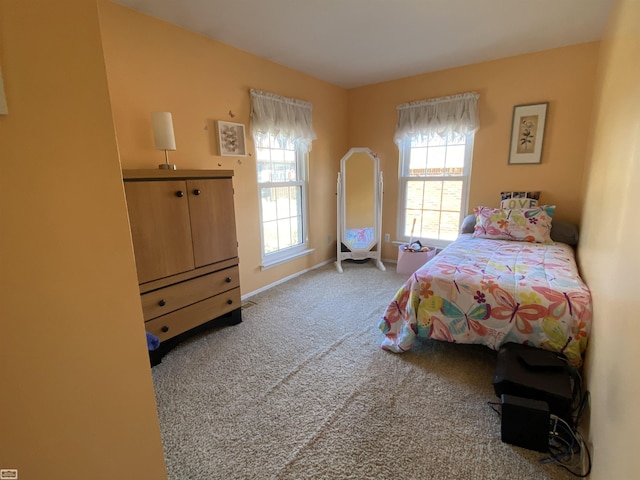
180,321
165,300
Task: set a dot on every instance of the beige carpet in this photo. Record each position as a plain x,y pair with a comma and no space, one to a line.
301,390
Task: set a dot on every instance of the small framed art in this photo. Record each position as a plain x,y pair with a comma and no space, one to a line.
527,133
231,139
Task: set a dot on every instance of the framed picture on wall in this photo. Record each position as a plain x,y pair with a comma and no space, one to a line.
527,133
231,139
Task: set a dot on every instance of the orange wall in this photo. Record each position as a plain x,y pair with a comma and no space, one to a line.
155,66
77,398
609,255
564,77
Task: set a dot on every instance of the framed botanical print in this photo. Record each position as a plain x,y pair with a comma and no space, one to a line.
527,133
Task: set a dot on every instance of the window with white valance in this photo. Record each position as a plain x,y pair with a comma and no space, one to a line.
283,131
435,139
456,114
276,115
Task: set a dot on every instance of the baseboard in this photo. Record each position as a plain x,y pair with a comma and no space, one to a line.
297,274
285,279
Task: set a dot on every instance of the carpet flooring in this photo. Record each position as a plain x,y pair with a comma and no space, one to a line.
301,390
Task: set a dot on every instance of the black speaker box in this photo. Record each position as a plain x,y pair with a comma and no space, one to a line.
525,423
533,373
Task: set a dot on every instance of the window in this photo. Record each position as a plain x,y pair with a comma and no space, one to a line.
434,180
282,130
435,139
283,188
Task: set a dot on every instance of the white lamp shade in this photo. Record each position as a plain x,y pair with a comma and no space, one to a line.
163,130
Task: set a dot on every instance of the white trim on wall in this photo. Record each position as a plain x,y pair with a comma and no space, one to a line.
286,279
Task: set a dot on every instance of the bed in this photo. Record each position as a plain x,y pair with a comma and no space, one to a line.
490,287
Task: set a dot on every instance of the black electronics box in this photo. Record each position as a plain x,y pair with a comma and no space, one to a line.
525,423
535,374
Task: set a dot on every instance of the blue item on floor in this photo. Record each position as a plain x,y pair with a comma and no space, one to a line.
153,342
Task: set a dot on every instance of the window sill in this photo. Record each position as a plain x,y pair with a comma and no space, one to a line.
278,261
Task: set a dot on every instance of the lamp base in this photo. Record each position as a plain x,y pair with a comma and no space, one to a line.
167,166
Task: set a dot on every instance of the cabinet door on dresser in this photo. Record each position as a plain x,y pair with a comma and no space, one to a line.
213,221
160,228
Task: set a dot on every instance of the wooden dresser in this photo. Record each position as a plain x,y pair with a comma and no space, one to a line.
184,239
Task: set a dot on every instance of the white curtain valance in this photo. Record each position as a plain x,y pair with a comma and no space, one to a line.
276,115
444,116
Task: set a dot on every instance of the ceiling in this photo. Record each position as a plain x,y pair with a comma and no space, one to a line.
351,43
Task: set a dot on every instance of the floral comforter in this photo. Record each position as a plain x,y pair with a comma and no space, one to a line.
492,292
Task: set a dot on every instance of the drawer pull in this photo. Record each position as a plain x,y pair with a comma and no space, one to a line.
228,279
179,193
196,192
229,301
162,303
164,329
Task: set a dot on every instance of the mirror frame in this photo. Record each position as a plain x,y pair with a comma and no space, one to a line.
368,251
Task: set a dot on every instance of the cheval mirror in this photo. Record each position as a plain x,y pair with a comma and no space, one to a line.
359,208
